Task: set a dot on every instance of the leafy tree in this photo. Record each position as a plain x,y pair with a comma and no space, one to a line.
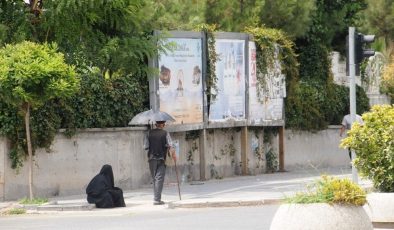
317,95
175,14
30,75
112,37
108,34
292,16
378,18
14,21
232,15
388,80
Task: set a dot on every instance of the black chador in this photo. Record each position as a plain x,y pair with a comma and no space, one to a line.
102,192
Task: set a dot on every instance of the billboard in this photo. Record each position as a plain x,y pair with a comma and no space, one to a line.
180,80
256,106
270,104
230,71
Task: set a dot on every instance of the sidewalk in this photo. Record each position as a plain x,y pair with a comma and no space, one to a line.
235,191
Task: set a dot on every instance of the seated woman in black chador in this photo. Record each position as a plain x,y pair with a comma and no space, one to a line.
102,192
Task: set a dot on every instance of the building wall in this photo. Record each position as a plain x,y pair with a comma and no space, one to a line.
72,162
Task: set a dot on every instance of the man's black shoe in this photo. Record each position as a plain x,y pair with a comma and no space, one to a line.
158,203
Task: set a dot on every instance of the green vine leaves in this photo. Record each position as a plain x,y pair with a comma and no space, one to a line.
274,56
211,78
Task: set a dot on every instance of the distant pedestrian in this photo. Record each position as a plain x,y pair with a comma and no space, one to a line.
102,192
158,143
347,125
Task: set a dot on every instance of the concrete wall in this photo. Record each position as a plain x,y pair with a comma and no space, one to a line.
72,162
320,149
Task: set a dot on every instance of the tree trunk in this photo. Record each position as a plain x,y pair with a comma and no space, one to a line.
29,150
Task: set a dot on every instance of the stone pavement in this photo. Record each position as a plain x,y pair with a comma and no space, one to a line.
236,191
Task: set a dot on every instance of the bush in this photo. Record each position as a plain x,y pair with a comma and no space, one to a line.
331,190
387,83
313,106
374,145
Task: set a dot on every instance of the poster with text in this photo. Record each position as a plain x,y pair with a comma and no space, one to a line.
180,81
256,106
267,104
230,71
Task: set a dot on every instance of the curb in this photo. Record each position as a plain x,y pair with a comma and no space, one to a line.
170,205
58,207
66,207
218,204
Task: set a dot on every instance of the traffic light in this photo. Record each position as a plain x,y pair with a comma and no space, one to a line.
360,50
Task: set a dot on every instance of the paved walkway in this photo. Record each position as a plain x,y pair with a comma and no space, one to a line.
235,191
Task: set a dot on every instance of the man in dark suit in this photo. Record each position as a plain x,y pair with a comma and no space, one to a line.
158,143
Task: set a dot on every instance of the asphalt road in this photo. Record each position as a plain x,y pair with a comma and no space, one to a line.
249,218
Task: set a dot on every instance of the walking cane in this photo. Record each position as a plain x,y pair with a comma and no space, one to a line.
177,178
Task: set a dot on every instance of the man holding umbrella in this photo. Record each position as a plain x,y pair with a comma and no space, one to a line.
158,143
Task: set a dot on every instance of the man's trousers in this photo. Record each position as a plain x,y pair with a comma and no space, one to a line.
158,171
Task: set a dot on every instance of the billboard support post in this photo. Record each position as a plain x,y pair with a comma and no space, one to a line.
281,149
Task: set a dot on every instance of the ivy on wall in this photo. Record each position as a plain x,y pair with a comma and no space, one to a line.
272,44
211,79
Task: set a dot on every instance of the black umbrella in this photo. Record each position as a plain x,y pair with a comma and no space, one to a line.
151,116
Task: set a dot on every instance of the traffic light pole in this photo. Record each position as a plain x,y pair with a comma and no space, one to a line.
352,90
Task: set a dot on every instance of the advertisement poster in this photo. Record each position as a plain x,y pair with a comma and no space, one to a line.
230,70
273,109
270,104
256,106
180,81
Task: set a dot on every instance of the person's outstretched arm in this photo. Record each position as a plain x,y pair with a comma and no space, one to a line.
341,131
170,146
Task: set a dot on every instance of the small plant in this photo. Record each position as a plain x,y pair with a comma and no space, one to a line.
15,211
214,173
190,153
331,190
272,161
33,201
259,153
270,155
373,143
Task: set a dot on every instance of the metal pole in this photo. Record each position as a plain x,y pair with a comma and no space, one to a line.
244,150
154,82
352,91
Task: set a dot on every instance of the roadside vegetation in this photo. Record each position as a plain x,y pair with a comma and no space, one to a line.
36,200
331,190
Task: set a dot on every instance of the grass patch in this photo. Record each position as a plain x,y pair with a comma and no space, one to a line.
33,201
15,211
